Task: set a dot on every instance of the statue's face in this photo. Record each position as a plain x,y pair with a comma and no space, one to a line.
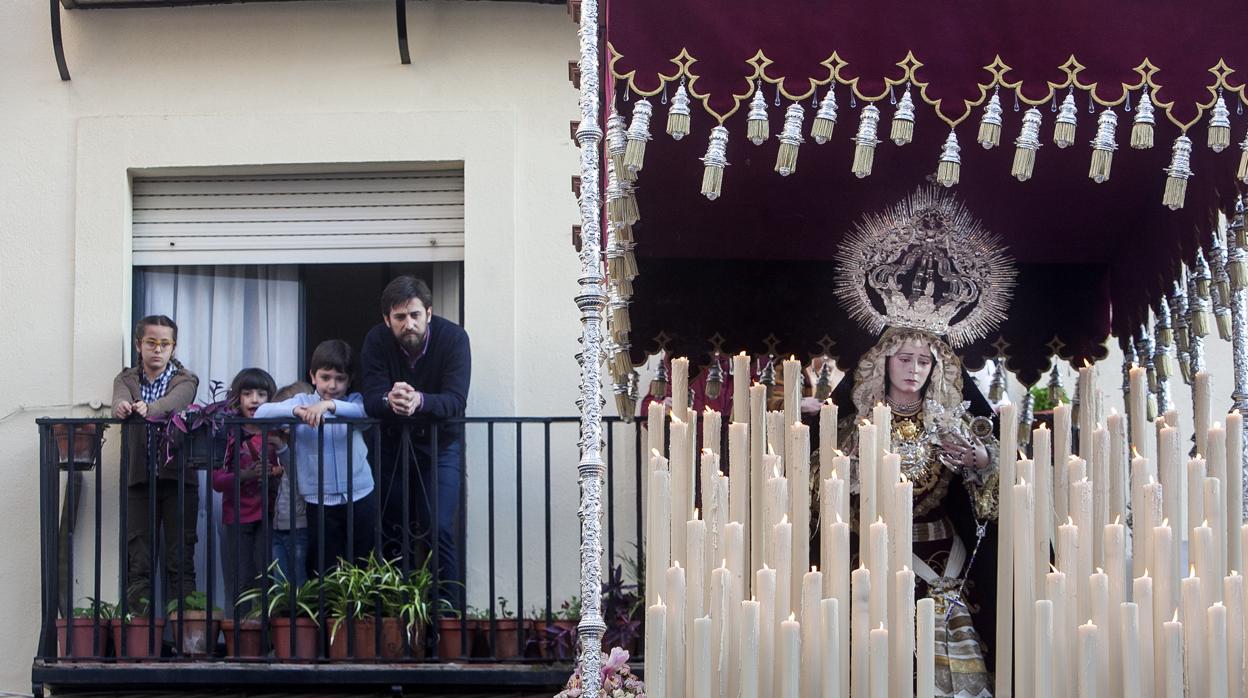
909,368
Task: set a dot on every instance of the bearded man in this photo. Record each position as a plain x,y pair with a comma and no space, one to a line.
415,368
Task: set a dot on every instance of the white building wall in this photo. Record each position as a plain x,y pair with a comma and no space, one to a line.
313,83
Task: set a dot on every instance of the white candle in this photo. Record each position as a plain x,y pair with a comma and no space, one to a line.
775,505
789,666
1043,513
1215,647
1233,599
751,650
901,528
1202,407
1141,429
798,466
1087,411
1061,453
840,591
1147,633
659,537
840,471
1214,503
828,415
1194,659
1234,487
654,427
1128,681
741,387
902,637
1140,475
765,584
1116,572
866,480
812,630
697,590
877,562
1165,588
1172,641
656,650
830,649
783,561
1203,557
1195,496
1088,654
682,485
1170,474
926,632
717,541
777,433
882,417
1064,625
1043,670
758,474
712,429
721,629
830,492
680,386
701,668
676,665
879,662
736,578
1117,466
735,545
792,396
1217,463
860,617
1081,508
1098,473
1024,582
1152,516
1005,548
1098,585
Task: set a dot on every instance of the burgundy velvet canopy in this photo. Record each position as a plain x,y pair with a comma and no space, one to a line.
757,261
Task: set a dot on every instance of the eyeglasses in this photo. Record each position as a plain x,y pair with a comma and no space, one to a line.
157,345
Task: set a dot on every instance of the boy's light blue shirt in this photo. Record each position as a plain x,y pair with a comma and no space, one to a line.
337,468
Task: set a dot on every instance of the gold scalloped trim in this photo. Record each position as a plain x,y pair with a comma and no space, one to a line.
837,68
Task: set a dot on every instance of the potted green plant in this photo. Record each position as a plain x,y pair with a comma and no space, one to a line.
461,636
196,431
505,635
288,606
248,631
80,635
194,632
361,597
137,635
557,637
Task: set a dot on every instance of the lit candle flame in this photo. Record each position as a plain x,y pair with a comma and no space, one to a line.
660,598
1175,617
695,513
765,567
881,626
1135,452
792,616
879,519
676,563
1145,572
1165,523
655,453
1118,519
1204,524
1070,521
784,519
723,563
1191,571
838,517
1086,364
839,453
1100,570
814,568
1053,569
1152,480
1022,481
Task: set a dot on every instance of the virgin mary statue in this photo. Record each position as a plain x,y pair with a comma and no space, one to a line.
927,278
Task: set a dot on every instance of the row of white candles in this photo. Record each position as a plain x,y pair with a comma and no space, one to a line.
811,651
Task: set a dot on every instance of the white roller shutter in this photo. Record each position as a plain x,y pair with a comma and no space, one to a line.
415,216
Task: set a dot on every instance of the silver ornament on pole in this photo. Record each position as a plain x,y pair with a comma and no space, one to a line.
1179,171
638,135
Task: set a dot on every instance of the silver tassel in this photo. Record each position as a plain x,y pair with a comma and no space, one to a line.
1220,126
1242,173
948,171
756,122
714,163
1103,146
990,123
1179,171
790,137
638,134
1142,128
825,118
903,120
1165,335
1064,129
678,114
865,140
1026,145
617,143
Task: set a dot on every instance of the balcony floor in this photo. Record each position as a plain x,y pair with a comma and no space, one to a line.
208,678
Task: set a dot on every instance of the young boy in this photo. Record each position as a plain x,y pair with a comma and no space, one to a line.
325,484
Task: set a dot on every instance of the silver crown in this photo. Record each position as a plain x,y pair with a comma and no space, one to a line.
926,264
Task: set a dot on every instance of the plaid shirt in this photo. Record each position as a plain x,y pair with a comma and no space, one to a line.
152,391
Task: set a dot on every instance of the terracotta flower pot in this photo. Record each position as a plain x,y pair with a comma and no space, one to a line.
248,646
460,639
196,636
87,441
506,639
366,640
131,638
305,638
84,633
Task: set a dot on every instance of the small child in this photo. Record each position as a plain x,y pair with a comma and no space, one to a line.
243,554
290,526
324,484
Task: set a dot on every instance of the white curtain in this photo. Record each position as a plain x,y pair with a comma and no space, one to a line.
229,318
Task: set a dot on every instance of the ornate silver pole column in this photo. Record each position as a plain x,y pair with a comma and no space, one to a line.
1198,321
1239,327
591,299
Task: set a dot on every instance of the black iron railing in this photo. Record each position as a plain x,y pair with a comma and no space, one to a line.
341,612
